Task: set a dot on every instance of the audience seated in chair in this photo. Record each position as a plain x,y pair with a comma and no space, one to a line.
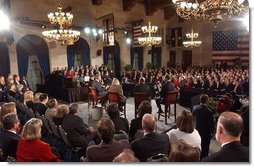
7,108
115,87
228,133
119,122
78,133
29,99
42,105
100,89
109,147
152,143
142,86
9,137
183,152
36,101
144,108
50,112
166,87
30,147
61,111
185,130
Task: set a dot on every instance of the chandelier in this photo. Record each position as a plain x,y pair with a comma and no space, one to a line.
64,34
149,40
213,10
192,43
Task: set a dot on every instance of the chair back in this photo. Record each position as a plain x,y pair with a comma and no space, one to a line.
54,129
171,97
63,135
113,97
30,113
139,97
37,115
46,124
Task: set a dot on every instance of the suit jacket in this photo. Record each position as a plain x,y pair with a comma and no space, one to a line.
25,84
168,86
34,151
41,108
143,88
121,124
9,142
105,152
100,90
204,120
231,152
151,144
119,90
76,129
135,126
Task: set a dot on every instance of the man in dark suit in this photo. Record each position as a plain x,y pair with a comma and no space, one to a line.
142,86
78,132
9,137
204,124
25,83
109,148
42,106
99,88
166,87
152,143
229,129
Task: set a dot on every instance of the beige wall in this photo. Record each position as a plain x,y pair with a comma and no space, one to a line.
85,14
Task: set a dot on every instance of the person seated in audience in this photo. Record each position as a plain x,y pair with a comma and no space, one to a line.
183,152
36,101
2,84
61,111
7,108
109,148
30,147
75,80
152,143
228,132
79,134
229,87
100,89
19,93
12,90
225,103
126,156
142,86
50,112
9,137
204,124
115,87
91,79
42,106
166,87
25,83
145,107
185,130
106,78
121,124
28,99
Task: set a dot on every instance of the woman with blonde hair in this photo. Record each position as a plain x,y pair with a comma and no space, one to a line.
30,148
61,111
117,88
29,99
36,101
7,108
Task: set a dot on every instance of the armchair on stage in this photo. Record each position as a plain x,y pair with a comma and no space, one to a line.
138,98
93,96
113,97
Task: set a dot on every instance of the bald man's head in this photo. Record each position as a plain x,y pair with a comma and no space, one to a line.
148,123
232,123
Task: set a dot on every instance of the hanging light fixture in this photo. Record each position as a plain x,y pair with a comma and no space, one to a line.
192,43
63,34
149,40
212,10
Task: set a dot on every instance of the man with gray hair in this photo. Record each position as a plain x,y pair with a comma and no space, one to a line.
9,137
229,130
152,142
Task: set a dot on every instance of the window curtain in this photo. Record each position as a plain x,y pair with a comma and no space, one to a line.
85,55
43,59
117,60
156,56
139,51
4,61
70,56
23,60
106,52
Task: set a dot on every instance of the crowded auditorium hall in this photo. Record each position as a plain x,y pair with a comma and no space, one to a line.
130,81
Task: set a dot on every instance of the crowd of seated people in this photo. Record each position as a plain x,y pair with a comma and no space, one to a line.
149,143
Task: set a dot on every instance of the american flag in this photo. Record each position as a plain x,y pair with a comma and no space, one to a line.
137,32
230,45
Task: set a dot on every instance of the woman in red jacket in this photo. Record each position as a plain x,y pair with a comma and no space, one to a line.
30,147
